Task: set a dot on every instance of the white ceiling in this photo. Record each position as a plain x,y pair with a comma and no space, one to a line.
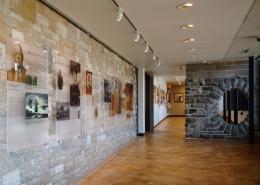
216,24
246,37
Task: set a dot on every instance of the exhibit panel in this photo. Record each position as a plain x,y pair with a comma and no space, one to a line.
27,100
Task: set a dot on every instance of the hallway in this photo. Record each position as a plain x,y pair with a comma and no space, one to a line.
165,157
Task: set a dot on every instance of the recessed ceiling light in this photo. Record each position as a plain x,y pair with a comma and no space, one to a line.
189,40
187,26
184,6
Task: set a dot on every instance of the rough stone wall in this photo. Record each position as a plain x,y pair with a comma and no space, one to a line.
67,161
205,85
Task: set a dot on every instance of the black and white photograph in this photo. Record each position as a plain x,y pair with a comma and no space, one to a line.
36,105
63,110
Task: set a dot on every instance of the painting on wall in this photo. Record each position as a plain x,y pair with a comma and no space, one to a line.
31,80
107,91
36,105
74,87
162,96
18,72
63,110
88,83
178,97
129,94
116,98
2,56
60,80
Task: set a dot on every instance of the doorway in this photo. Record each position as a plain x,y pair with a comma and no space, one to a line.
149,112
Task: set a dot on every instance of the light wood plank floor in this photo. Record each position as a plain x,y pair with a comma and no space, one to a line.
167,158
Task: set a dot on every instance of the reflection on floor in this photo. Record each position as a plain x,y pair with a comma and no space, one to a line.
166,158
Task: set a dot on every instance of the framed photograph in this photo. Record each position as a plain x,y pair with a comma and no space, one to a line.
88,83
63,110
36,105
107,91
178,97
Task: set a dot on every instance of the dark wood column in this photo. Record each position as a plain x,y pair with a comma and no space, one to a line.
251,107
225,106
229,106
235,99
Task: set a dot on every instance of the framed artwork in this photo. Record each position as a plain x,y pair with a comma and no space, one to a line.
63,110
107,91
88,83
31,80
74,88
116,97
178,97
36,105
129,94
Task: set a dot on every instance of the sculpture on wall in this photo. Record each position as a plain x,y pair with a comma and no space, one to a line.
60,80
18,72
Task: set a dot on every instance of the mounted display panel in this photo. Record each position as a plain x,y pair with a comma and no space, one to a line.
27,102
67,90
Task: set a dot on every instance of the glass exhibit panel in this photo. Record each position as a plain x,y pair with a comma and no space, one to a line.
67,116
27,101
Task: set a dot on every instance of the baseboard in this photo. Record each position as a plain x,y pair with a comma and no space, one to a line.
176,115
160,122
140,134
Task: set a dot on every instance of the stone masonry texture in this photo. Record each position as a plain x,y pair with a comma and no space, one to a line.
205,85
66,161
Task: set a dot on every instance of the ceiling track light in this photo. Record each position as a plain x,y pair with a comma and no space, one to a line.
189,40
184,6
158,64
154,57
120,15
146,48
187,26
137,37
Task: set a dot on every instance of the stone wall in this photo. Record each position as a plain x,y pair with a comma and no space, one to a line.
61,162
205,85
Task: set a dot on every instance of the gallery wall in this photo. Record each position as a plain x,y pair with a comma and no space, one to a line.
160,90
66,102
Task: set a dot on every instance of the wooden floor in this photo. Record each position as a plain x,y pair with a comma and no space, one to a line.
167,158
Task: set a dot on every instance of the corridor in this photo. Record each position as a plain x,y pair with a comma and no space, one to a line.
167,158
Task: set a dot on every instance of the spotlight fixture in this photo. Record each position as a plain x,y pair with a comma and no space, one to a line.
146,48
120,15
191,50
184,6
189,40
137,37
187,26
154,57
